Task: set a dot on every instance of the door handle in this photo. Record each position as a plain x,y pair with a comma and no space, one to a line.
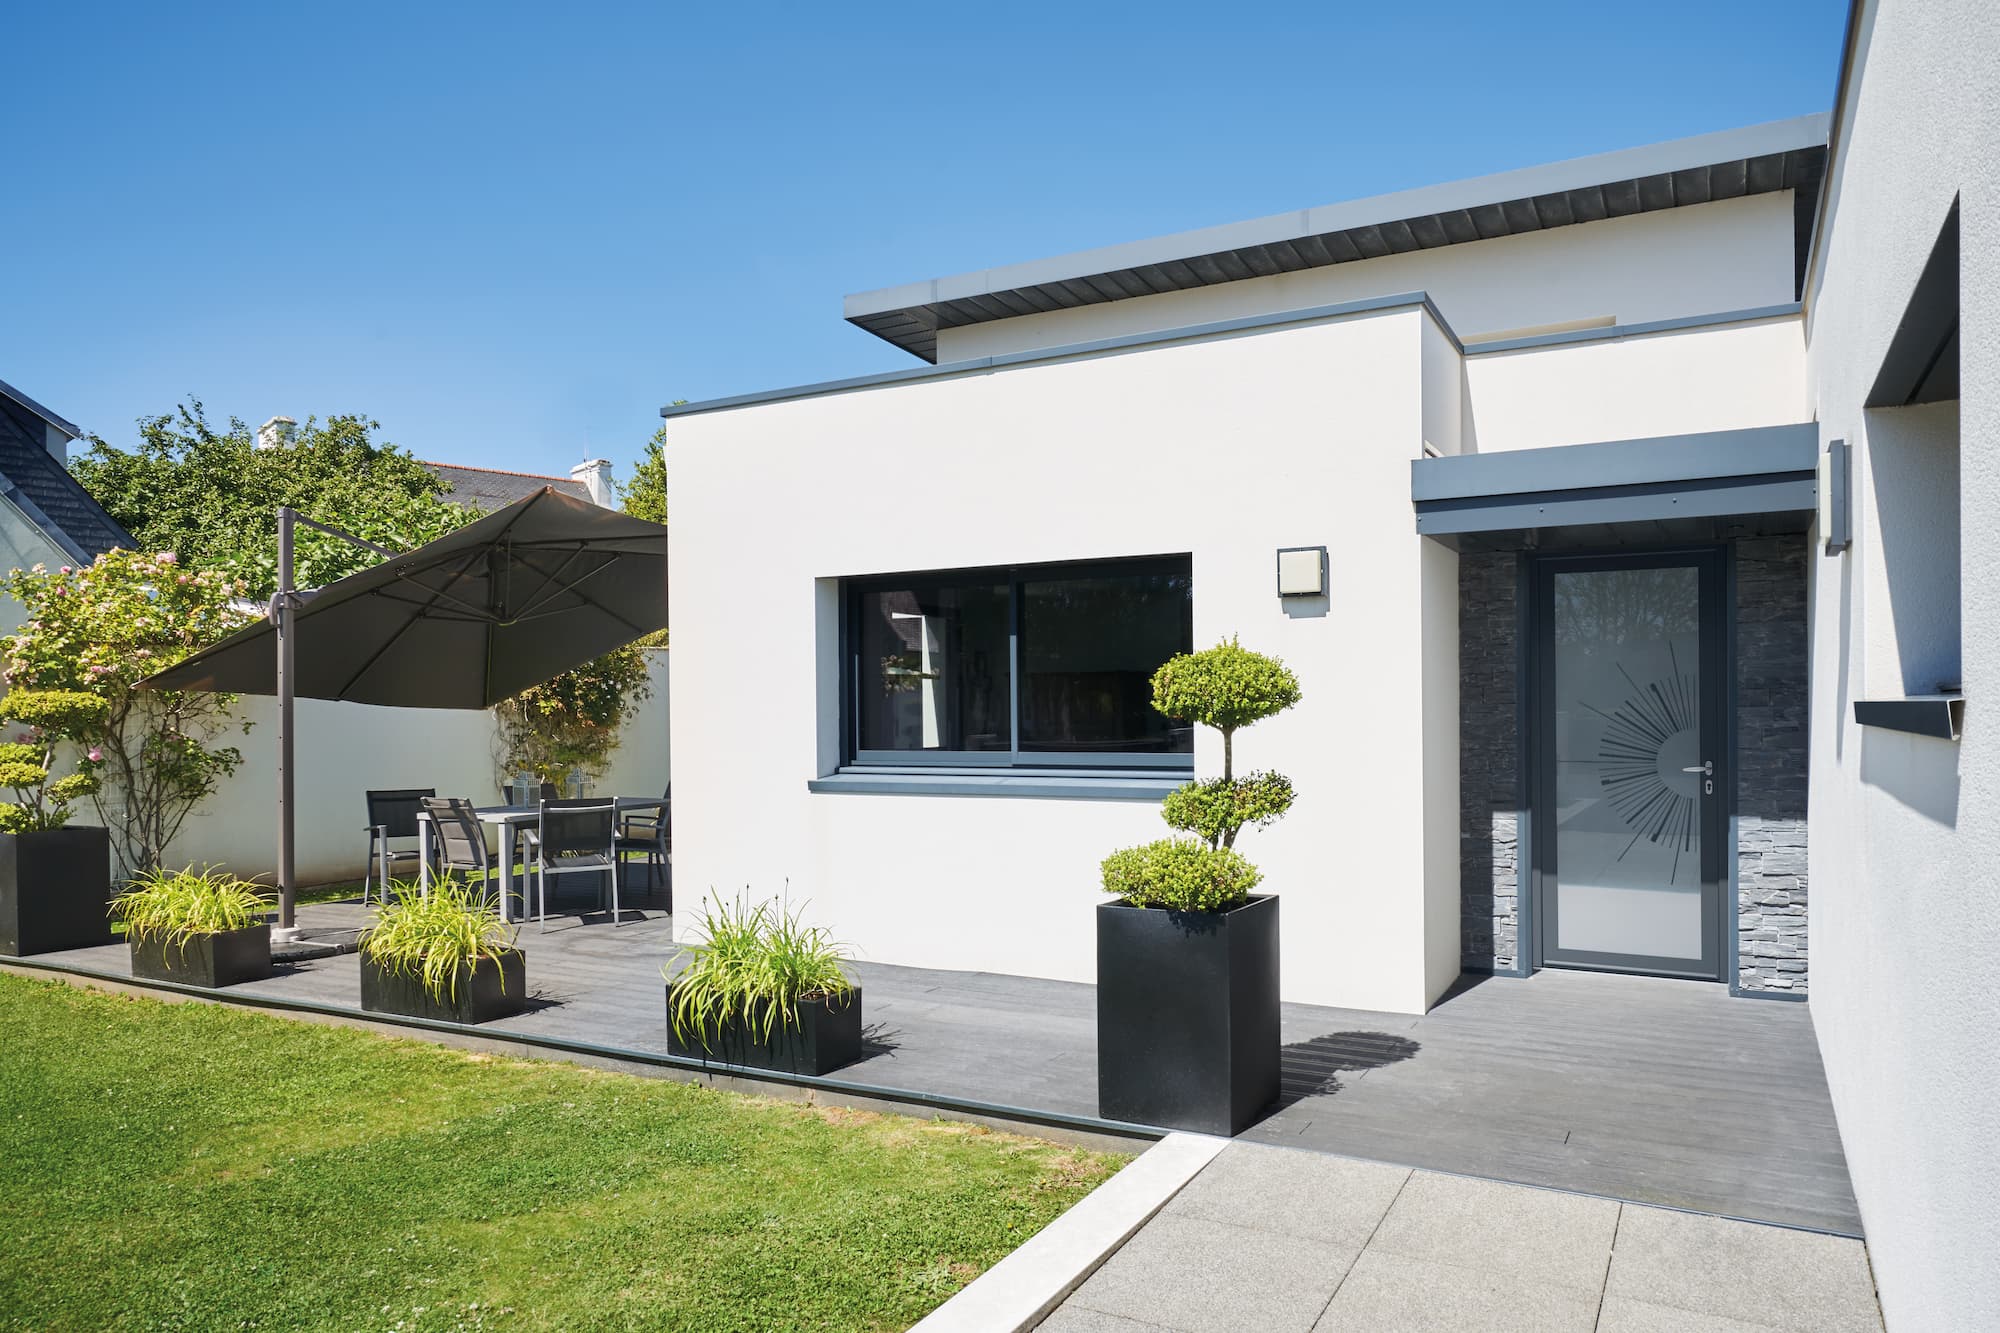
1706,768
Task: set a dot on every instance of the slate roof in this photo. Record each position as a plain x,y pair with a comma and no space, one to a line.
489,489
43,488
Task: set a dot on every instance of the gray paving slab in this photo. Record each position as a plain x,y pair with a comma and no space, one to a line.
1313,1196
1792,1280
1198,1276
1558,1240
1632,1088
1076,1319
1622,1315
1395,1293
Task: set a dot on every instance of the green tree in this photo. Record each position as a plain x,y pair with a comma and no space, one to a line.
645,496
97,631
573,721
1226,687
210,496
53,719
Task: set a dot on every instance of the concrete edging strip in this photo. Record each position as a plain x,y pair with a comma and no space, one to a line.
1021,1290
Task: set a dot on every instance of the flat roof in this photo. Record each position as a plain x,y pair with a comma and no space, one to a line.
1757,159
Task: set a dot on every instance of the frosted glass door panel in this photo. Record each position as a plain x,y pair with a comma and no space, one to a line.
1627,660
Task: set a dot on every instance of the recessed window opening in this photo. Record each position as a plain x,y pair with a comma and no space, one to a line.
1025,666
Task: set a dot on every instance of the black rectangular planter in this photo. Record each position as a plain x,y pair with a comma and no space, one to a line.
1187,1015
222,959
55,890
489,989
828,1036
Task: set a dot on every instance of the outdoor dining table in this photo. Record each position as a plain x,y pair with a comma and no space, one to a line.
511,820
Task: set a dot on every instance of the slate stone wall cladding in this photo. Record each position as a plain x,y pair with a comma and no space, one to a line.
1770,809
1489,760
1771,657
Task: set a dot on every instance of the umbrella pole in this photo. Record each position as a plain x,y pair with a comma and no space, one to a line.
281,619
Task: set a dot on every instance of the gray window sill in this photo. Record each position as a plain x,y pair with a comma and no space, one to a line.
1044,786
1938,715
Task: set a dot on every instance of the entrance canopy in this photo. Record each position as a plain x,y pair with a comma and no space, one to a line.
467,621
1672,488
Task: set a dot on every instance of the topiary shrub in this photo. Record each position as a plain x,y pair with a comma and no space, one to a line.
1226,687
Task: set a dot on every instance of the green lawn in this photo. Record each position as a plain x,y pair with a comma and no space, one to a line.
190,1166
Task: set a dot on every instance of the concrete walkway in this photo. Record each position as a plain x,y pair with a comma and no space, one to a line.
1281,1240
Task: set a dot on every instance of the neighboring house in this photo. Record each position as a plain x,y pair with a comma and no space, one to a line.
488,488
46,517
1647,627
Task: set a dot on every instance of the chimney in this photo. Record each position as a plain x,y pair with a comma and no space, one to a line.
276,433
595,474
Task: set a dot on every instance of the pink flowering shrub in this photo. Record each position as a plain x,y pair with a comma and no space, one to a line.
150,755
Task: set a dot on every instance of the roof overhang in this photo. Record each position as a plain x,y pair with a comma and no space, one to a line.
1759,159
1666,486
69,429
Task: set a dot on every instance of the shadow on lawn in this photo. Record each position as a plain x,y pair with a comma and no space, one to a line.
1312,1068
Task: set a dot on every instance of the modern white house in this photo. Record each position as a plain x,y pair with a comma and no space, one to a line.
1608,511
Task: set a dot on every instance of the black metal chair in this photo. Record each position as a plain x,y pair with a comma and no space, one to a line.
575,837
652,832
391,814
460,838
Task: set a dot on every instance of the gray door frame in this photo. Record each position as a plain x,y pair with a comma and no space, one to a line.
1717,852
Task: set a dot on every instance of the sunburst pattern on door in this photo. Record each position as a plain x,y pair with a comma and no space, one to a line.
1646,735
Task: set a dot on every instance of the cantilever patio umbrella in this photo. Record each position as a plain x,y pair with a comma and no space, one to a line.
508,601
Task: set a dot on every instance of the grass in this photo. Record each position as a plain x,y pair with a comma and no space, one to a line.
191,1166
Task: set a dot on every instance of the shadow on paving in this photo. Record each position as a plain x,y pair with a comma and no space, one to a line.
1312,1068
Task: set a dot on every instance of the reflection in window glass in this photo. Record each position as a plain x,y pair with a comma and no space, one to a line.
932,667
1089,648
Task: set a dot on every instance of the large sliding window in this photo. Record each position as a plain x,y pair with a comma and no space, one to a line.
1045,665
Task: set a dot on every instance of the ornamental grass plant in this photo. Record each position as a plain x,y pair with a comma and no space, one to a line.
437,937
756,964
175,906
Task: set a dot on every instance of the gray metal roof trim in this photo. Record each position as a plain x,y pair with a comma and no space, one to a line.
1753,451
981,364
1616,332
1729,164
67,427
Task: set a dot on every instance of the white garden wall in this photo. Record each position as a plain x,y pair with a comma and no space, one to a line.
1228,449
345,749
1905,912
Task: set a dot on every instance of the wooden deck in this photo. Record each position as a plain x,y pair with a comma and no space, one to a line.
1653,1091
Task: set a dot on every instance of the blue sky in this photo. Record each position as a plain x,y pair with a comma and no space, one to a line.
509,233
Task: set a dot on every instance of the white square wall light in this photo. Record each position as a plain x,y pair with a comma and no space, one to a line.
1302,571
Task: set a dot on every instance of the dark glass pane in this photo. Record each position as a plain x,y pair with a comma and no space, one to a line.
933,667
1089,647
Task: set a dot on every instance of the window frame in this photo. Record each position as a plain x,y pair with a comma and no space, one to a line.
1074,763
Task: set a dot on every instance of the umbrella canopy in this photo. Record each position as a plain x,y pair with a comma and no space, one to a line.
521,595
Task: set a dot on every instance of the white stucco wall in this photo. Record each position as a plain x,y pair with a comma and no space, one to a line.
1227,449
1731,255
346,749
1705,378
1905,903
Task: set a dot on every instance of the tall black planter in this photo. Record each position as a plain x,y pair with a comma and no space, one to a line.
222,959
55,890
487,990
1187,1015
827,1036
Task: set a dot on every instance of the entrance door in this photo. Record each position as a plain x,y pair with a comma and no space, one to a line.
1629,762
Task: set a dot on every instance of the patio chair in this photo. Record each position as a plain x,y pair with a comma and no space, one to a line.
576,837
391,814
461,838
651,832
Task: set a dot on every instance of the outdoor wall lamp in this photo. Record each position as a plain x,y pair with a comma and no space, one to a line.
1302,571
1836,518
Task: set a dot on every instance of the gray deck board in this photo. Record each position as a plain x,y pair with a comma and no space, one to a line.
1634,1088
